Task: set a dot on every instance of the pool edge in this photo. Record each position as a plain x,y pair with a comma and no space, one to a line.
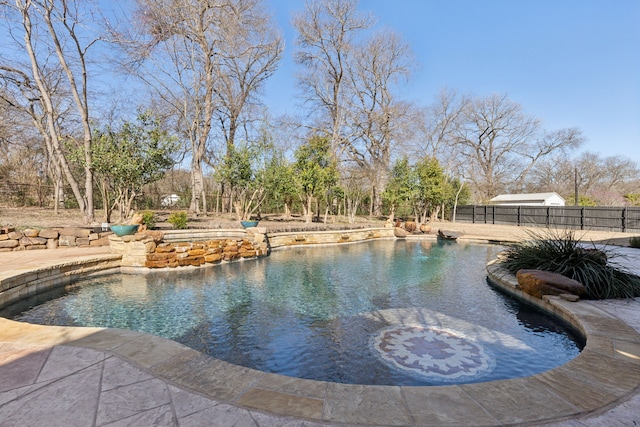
600,376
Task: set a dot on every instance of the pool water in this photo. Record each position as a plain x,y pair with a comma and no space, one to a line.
400,312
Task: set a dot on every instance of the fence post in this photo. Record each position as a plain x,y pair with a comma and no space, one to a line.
624,219
518,216
548,216
473,214
581,218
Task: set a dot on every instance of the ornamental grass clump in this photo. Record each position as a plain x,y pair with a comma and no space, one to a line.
560,252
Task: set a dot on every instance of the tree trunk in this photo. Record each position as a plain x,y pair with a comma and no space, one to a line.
197,187
48,106
455,203
308,213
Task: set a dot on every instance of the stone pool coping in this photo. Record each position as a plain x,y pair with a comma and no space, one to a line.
607,371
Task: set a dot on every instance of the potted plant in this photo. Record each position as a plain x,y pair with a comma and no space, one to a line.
249,223
124,229
128,227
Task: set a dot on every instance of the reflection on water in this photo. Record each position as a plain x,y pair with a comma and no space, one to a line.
310,312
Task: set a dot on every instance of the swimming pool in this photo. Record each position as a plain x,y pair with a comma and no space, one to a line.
384,312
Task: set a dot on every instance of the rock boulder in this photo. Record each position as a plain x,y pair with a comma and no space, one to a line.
539,283
400,232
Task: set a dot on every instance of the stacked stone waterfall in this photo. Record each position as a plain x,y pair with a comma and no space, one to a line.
149,249
198,253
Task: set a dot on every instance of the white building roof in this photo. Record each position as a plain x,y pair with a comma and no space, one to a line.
530,198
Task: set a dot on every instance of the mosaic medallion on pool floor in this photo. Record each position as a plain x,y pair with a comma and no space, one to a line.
433,353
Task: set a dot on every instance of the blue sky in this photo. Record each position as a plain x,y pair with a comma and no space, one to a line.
571,63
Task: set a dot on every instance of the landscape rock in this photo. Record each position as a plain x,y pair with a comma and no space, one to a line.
160,256
15,235
192,260
65,240
32,247
83,241
102,241
539,283
28,241
570,297
400,232
448,235
247,253
48,234
156,235
30,232
75,232
213,258
156,263
9,244
410,226
135,219
165,247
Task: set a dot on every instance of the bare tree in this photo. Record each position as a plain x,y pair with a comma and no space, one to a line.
55,32
206,61
174,54
23,160
20,95
440,126
327,33
249,54
547,143
350,80
554,173
500,144
378,120
604,180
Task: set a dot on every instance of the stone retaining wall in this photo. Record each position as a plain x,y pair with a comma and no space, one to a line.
31,238
176,248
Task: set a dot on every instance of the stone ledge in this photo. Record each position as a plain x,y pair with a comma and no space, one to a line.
298,238
18,285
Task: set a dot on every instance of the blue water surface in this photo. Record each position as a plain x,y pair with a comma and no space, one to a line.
310,312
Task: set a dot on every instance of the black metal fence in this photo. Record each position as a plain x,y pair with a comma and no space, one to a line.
625,219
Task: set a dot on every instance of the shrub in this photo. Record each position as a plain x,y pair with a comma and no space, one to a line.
561,252
178,220
149,219
634,242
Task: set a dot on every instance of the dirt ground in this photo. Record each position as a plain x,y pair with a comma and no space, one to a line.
21,218
46,218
